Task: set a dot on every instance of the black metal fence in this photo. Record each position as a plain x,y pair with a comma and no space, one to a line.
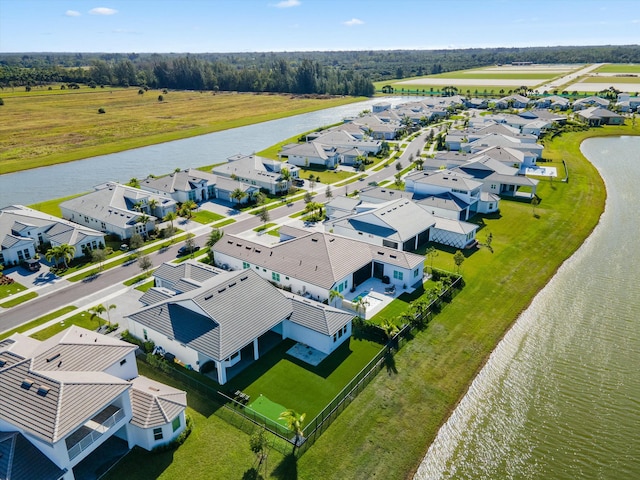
282,440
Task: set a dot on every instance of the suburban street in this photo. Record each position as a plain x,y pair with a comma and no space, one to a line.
92,290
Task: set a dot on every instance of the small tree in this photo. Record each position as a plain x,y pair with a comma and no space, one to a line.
145,264
2,102
160,98
190,243
258,445
214,237
431,253
399,166
328,193
458,259
308,197
534,203
136,241
263,214
98,256
102,110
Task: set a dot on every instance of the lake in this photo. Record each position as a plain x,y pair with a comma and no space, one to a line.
559,398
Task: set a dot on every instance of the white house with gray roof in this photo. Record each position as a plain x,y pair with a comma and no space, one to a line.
315,263
311,153
67,395
183,186
227,320
398,224
118,209
258,171
23,230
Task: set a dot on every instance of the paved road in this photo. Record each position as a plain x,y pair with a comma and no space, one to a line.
550,87
90,291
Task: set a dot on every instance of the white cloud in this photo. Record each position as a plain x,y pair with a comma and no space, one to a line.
72,13
102,11
287,4
353,22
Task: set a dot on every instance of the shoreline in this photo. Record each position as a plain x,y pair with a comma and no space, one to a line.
519,315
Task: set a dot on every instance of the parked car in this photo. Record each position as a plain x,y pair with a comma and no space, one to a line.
298,182
185,250
32,265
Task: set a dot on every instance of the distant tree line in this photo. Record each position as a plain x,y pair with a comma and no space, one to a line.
336,73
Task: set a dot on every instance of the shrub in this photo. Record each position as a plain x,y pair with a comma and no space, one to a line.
1,101
160,98
102,110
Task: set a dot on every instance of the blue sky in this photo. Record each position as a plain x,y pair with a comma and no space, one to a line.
299,25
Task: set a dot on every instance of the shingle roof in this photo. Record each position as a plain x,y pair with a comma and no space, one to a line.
220,318
153,403
317,258
21,460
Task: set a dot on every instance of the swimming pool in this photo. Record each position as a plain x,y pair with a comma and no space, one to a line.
371,301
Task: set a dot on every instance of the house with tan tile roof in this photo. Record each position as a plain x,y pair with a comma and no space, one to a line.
71,393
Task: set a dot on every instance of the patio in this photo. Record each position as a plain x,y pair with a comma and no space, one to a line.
376,296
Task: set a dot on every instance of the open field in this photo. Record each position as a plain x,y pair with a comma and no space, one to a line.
384,433
585,86
537,68
45,129
473,81
619,68
610,78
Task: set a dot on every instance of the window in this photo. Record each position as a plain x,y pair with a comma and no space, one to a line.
397,275
123,361
416,272
144,332
275,276
176,423
340,288
157,434
246,265
335,337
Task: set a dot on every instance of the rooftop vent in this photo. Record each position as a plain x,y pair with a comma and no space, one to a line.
222,290
208,297
43,390
26,384
243,278
51,359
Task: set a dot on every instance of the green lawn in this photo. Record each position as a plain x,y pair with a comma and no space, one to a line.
262,228
294,384
52,207
38,321
145,286
619,68
11,289
610,79
205,216
18,300
82,319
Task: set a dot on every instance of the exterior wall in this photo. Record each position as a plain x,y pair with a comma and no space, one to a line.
403,276
452,239
488,207
314,339
301,161
11,256
144,437
182,352
297,286
443,212
125,369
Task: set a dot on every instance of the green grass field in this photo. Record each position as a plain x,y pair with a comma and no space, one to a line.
11,289
268,408
45,128
612,80
82,319
619,68
38,321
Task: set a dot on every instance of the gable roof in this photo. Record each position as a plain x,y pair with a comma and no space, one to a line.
220,318
154,403
183,181
445,179
317,258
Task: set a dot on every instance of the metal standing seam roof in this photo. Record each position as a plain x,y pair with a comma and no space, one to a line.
447,179
221,317
445,201
21,460
455,226
153,403
399,220
319,259
318,316
155,295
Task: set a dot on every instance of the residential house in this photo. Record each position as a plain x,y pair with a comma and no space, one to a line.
182,186
68,395
226,189
512,101
596,116
260,172
627,103
496,140
233,318
398,224
440,182
592,101
553,102
311,153
316,263
118,209
23,231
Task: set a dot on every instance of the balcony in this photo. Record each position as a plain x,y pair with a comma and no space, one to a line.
93,430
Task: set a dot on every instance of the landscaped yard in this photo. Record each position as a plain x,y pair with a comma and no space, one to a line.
82,319
205,216
38,321
11,289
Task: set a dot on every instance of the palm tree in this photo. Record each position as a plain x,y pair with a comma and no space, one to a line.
66,252
153,204
96,312
361,306
238,195
214,237
333,294
53,253
286,176
170,217
389,328
144,220
294,424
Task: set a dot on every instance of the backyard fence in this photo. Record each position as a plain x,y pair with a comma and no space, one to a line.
282,440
